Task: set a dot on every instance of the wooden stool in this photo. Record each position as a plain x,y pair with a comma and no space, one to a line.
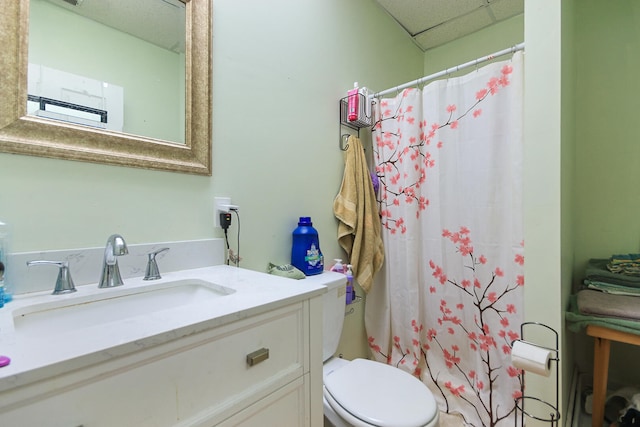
601,350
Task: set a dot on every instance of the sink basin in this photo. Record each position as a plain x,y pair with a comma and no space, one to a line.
113,305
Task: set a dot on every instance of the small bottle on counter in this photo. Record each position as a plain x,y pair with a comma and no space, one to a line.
350,290
338,267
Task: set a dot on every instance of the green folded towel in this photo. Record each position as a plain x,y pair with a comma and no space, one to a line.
624,258
286,270
597,271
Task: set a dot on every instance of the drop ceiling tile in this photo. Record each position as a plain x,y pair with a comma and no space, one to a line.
504,9
454,29
419,15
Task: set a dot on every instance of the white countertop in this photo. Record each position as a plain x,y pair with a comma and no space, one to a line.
43,358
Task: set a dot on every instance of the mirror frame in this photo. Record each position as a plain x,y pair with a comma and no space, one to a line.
30,135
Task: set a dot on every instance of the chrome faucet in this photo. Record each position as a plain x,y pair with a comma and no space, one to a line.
153,272
110,276
64,282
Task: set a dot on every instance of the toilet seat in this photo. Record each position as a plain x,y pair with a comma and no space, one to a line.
369,393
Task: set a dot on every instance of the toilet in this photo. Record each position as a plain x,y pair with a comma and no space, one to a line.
361,392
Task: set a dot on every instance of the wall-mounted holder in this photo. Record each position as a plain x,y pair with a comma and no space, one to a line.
352,309
364,118
538,409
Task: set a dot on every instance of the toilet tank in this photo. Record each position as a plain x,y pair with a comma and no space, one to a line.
333,305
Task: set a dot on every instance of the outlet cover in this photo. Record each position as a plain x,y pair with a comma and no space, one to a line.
217,202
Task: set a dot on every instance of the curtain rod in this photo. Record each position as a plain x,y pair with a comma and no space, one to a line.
434,76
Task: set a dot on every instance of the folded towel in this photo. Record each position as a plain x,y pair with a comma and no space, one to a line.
597,271
627,264
285,270
612,288
594,303
576,321
624,258
355,206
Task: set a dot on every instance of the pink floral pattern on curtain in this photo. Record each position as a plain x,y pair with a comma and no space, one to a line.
448,302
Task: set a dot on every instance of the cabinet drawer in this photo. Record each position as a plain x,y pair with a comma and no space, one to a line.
224,372
283,408
208,378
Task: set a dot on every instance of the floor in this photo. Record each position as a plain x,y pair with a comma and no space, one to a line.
446,420
581,416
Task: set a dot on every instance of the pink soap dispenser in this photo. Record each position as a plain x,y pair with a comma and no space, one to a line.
353,101
338,267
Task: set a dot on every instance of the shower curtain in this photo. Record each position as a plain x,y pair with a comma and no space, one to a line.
448,302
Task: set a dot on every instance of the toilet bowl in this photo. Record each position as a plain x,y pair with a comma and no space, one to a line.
365,393
361,392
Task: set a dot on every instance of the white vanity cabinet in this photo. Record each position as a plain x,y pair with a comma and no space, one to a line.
201,379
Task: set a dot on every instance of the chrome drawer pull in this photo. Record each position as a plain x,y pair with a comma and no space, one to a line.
257,356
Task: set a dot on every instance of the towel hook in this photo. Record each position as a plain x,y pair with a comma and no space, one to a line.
344,142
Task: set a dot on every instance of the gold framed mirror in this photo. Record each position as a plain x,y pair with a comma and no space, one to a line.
31,135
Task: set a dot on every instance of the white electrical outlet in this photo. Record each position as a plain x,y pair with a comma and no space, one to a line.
220,205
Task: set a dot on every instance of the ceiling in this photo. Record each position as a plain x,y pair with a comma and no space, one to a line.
161,22
432,23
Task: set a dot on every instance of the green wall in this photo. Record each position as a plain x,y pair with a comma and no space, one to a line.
544,224
607,155
567,203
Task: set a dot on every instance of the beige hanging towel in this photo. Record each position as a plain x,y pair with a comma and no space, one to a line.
355,206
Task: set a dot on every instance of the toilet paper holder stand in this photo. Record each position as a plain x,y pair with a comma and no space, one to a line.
539,404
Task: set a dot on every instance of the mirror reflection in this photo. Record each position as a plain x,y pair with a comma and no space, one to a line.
134,83
21,133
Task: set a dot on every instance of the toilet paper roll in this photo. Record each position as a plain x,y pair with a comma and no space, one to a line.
531,358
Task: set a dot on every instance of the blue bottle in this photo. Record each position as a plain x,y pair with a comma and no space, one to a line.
306,255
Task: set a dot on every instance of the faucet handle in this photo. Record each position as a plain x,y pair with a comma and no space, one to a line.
64,282
152,272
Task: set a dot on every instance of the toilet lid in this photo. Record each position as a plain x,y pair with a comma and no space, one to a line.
381,395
